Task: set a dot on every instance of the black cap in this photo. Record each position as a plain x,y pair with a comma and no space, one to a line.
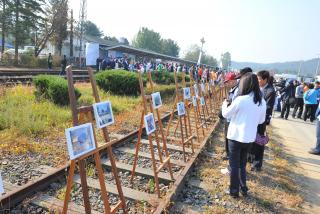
243,71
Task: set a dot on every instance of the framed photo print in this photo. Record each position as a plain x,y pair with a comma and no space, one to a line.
202,87
80,140
196,91
149,123
156,100
186,93
103,114
202,102
1,185
181,109
194,101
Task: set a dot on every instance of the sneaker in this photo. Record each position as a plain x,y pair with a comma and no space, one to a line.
233,195
255,169
244,191
313,152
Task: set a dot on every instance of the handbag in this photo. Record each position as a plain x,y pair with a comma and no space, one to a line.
262,140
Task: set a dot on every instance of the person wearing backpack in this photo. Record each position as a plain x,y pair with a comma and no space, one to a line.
287,99
311,103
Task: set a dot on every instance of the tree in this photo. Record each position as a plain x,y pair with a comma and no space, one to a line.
193,52
169,47
124,41
91,29
111,39
27,15
147,39
50,24
61,23
71,34
226,60
6,7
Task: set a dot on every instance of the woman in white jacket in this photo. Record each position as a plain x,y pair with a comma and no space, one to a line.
246,112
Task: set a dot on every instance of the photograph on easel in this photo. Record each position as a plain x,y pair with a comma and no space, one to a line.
103,114
149,123
1,185
186,93
156,100
196,92
181,109
202,102
194,101
202,87
80,140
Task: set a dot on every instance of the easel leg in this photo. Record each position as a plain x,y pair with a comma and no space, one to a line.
116,177
137,146
154,166
84,185
104,195
182,140
164,143
69,186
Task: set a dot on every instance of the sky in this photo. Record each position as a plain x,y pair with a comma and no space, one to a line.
262,31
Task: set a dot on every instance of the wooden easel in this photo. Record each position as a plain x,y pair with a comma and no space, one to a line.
196,108
186,103
80,116
184,138
203,108
147,99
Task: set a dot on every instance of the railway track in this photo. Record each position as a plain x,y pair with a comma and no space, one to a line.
41,195
25,76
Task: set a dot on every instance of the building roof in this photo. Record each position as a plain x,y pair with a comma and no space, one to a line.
144,52
100,41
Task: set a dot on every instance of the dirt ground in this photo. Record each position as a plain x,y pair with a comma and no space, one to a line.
298,137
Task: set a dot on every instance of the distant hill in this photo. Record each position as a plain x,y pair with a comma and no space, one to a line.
308,67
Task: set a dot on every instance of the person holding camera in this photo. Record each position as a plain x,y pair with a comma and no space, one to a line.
245,113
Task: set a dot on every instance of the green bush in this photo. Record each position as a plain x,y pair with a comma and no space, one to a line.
118,82
165,77
53,88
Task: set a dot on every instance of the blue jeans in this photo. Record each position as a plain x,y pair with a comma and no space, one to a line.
237,161
317,148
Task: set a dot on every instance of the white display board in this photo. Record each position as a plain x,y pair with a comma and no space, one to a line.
92,53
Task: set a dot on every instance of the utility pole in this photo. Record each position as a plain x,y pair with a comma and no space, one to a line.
82,20
200,55
299,69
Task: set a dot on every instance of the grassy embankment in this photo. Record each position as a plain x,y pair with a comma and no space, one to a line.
31,125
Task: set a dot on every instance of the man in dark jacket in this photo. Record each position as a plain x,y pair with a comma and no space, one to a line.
269,94
288,99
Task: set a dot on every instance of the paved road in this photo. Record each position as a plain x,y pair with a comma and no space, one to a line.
298,137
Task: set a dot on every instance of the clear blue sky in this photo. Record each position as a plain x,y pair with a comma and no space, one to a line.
251,30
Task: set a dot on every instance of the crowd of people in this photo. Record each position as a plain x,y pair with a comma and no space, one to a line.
199,71
247,112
